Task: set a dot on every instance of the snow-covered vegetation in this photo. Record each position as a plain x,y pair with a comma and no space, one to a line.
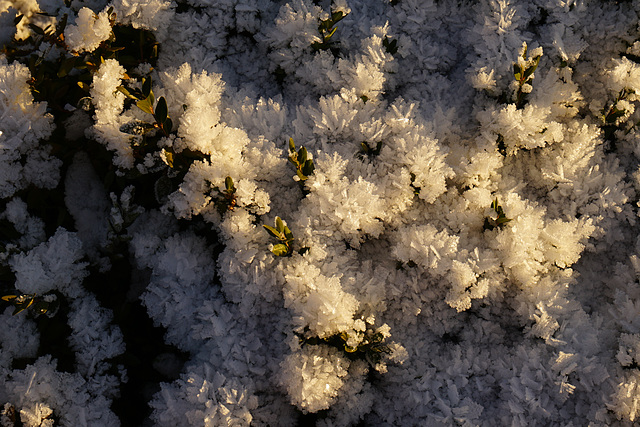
331,213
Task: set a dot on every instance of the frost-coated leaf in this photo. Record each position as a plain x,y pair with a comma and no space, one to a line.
529,71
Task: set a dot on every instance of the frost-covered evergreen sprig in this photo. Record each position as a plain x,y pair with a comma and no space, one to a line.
523,73
327,28
499,221
282,233
301,160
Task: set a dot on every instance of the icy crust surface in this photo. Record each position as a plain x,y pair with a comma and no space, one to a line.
465,251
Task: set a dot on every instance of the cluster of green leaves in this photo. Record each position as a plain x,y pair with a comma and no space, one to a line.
371,348
284,236
304,166
523,74
39,304
327,28
226,200
500,221
145,100
64,79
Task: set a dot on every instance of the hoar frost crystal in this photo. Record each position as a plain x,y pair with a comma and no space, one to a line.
450,240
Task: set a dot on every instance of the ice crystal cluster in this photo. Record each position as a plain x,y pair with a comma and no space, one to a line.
337,212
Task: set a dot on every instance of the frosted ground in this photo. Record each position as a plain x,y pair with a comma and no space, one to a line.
449,189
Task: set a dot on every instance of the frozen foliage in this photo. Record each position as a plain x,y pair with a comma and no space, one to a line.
24,124
346,212
150,14
82,397
109,103
89,31
52,265
314,376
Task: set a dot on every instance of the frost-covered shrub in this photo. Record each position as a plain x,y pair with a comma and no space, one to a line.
333,213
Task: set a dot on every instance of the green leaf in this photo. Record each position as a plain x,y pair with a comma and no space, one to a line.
37,29
228,183
308,167
288,234
272,231
146,87
145,105
502,220
161,110
280,250
126,92
62,24
292,145
279,225
517,72
337,17
85,87
328,36
167,125
302,155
